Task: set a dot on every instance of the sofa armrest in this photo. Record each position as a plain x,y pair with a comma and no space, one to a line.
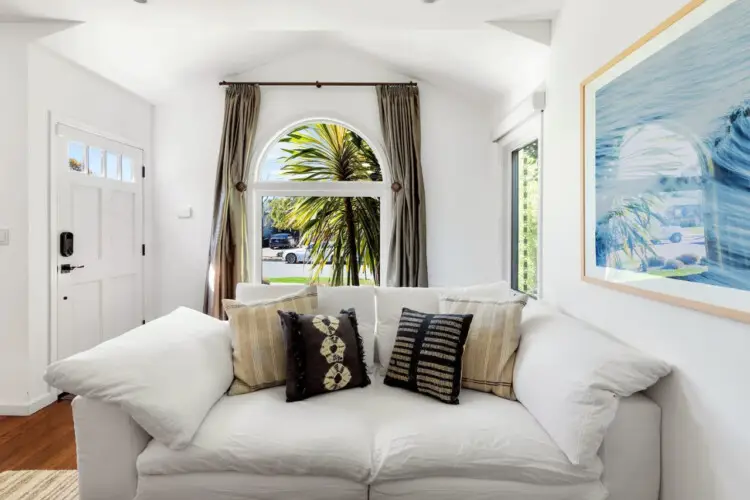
108,443
632,449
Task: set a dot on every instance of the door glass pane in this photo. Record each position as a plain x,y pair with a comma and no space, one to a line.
96,156
112,172
525,219
76,151
307,240
127,169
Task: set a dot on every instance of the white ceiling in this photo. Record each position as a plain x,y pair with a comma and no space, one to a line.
153,47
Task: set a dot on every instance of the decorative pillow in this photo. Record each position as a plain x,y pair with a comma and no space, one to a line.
324,354
166,374
570,377
332,299
427,354
490,352
391,300
258,352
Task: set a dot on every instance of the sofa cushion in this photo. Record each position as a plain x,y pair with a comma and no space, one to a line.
258,351
485,437
334,299
259,433
490,352
378,434
571,376
390,301
427,354
331,300
248,292
166,374
323,354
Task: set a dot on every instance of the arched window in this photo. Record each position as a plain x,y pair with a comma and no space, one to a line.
320,216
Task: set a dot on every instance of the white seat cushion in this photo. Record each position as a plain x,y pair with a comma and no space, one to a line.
261,434
372,435
484,437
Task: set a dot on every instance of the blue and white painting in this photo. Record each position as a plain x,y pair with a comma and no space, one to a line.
672,158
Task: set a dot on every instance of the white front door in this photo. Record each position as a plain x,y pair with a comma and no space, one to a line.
99,239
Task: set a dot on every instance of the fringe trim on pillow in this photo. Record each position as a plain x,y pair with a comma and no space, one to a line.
360,345
300,360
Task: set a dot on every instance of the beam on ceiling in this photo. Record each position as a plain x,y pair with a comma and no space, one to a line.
538,31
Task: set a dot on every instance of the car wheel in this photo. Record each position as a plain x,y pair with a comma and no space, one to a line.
291,258
675,238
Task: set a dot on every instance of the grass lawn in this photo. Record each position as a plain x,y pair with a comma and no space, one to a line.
674,273
301,280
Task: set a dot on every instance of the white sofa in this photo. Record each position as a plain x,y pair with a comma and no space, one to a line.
374,443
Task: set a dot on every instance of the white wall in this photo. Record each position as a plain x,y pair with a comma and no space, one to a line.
706,402
60,89
462,198
35,85
13,216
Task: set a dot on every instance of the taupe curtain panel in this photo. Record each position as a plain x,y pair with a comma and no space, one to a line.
228,255
401,123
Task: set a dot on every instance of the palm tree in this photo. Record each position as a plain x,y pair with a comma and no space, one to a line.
627,227
345,230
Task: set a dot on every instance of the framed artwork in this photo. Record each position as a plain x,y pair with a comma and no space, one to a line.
666,163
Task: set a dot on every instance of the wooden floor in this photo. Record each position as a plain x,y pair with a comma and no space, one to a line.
44,440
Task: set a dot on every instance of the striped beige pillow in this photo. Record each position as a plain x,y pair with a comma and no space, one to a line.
490,350
259,352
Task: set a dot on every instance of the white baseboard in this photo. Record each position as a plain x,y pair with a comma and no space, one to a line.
24,410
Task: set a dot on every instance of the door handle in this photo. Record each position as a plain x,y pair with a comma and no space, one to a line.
66,268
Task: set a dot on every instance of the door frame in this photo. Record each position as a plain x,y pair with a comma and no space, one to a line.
54,152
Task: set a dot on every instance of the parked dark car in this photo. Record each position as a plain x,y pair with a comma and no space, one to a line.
282,240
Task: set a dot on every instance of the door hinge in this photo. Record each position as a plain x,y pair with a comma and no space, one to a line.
143,249
143,171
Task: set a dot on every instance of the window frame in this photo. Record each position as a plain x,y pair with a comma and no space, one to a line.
529,131
260,189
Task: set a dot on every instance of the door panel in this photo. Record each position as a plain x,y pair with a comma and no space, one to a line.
119,312
86,219
120,238
99,200
80,306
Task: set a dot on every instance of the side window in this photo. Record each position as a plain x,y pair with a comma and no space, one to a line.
525,219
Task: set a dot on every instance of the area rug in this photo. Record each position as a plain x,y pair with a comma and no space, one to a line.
39,485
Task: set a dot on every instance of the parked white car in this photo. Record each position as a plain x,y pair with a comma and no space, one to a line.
299,255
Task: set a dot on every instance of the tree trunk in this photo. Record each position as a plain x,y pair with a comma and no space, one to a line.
352,239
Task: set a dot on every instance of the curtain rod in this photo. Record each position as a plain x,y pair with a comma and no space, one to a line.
320,84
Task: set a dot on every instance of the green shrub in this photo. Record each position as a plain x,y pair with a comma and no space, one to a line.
656,261
689,259
672,264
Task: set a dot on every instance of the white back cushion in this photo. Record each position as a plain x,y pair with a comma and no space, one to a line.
331,300
248,293
166,374
390,301
571,376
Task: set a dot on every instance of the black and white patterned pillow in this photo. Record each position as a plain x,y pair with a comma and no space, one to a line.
427,355
324,354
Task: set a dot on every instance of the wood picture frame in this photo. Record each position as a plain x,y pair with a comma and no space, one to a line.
613,242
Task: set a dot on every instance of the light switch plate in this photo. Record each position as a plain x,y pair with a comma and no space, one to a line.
4,237
185,212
